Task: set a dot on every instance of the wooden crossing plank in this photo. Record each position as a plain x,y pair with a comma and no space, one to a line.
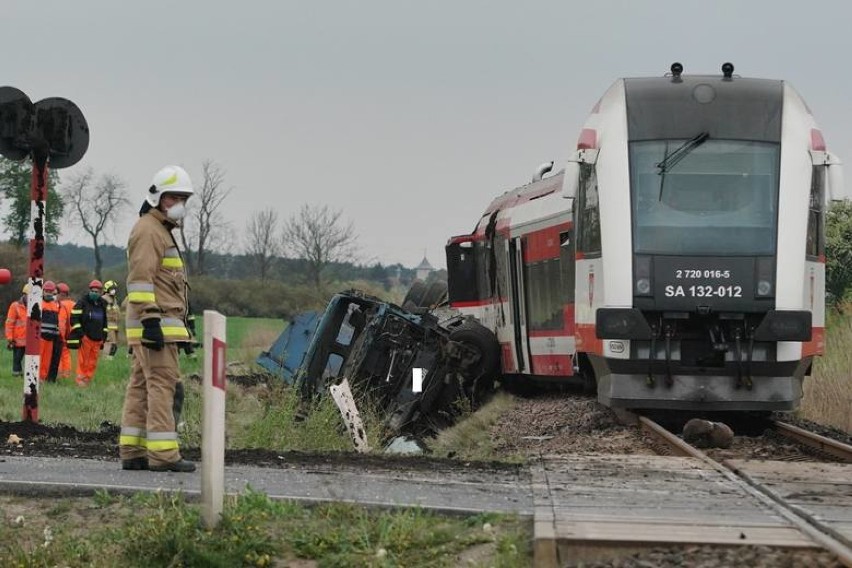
676,533
649,500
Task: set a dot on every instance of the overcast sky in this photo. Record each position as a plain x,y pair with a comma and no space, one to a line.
410,116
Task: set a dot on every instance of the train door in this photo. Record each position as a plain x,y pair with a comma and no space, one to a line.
518,304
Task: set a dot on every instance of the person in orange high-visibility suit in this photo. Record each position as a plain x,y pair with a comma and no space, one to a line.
52,332
88,331
16,330
68,304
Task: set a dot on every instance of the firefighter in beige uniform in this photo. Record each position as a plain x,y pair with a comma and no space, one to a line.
113,315
156,312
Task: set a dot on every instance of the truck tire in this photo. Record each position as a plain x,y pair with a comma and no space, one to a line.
483,340
436,292
414,296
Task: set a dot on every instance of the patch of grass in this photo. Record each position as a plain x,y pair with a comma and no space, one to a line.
65,403
470,438
828,392
165,530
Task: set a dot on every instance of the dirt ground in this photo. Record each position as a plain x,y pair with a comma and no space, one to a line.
551,424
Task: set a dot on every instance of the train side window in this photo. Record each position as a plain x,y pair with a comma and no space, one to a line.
566,266
815,246
588,213
483,269
461,271
544,298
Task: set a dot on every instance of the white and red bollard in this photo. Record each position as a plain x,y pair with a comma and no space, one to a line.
213,419
32,354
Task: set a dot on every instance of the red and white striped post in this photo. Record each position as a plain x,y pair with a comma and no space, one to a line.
32,357
213,419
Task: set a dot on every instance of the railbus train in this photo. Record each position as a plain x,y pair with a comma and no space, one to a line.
676,262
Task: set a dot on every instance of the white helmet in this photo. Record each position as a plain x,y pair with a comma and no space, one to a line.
171,179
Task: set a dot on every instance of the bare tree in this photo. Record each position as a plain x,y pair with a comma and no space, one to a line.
319,236
205,227
262,243
95,205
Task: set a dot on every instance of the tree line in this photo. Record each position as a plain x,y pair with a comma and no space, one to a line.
316,237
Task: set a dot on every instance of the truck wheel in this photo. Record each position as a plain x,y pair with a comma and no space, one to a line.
435,293
414,296
480,382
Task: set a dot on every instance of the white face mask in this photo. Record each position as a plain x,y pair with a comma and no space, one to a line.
176,212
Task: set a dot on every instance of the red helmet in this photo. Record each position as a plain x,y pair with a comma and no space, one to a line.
96,284
63,288
50,287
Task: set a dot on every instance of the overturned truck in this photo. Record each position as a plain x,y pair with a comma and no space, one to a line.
419,367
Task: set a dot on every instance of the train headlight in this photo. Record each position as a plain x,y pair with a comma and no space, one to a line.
642,276
765,277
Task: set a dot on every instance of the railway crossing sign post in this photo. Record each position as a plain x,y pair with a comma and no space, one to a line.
52,133
213,418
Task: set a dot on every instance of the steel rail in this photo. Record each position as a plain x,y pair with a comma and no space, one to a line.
822,444
824,536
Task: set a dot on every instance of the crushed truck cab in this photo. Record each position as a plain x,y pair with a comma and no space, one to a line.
377,346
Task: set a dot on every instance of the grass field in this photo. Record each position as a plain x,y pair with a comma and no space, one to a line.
828,393
65,403
165,530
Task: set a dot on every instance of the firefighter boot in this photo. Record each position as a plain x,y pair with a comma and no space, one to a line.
135,463
180,466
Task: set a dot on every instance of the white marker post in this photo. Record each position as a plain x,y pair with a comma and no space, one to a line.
213,419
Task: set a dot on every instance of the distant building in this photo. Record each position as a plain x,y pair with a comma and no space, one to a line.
423,270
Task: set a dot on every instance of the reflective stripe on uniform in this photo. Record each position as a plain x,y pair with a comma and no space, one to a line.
172,259
173,328
141,292
131,436
159,441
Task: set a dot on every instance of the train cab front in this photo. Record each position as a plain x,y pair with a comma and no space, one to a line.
704,331
703,334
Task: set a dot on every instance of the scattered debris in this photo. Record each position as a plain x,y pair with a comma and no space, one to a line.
404,446
14,439
342,395
706,434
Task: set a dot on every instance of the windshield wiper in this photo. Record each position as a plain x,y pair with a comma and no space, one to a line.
671,160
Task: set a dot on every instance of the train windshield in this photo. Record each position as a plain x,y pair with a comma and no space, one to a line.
718,197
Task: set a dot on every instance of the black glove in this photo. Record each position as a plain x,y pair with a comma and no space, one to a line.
190,324
187,347
10,344
152,334
112,349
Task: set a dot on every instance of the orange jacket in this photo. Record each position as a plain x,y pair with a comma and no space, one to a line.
65,316
16,324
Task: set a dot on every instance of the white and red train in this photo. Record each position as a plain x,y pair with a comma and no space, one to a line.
677,261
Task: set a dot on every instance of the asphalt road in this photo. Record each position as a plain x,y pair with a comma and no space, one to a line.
470,491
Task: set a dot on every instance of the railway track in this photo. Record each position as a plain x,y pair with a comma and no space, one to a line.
819,444
816,528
